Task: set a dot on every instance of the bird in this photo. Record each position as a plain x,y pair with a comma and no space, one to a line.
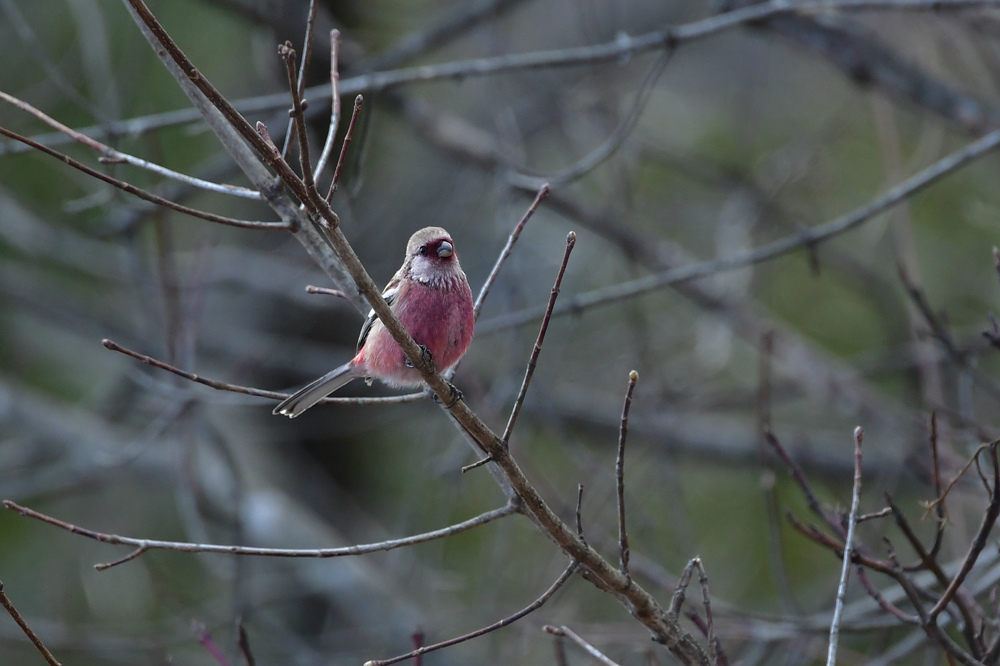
430,296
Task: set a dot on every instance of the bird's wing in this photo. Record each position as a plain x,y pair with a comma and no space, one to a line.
390,293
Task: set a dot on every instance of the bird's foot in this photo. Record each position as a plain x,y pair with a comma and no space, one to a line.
453,398
425,356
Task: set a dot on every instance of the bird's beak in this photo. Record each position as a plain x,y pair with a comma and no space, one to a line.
445,250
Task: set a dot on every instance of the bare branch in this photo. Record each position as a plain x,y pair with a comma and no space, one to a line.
587,647
809,237
537,349
321,553
109,155
852,521
32,636
510,619
331,132
358,101
258,393
543,193
143,194
623,550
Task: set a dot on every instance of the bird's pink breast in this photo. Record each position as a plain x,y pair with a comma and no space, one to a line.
440,319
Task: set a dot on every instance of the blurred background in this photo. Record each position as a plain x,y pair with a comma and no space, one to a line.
746,136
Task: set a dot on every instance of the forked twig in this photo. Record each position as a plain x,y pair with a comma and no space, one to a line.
510,619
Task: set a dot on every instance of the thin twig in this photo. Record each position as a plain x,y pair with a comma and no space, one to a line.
142,194
348,136
477,464
255,392
510,619
623,550
110,155
978,542
207,642
537,349
244,644
297,113
807,238
32,636
622,46
852,521
543,193
325,291
607,147
322,553
677,600
800,478
579,512
714,649
331,132
587,647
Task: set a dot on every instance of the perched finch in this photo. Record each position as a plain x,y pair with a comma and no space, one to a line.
431,297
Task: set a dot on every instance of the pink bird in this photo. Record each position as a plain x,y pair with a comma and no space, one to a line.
431,297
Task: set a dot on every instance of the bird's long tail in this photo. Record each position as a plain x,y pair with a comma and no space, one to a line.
316,391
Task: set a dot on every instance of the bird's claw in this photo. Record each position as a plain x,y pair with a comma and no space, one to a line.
455,396
425,356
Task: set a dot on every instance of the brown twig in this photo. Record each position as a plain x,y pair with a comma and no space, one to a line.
297,113
138,192
143,545
566,632
243,640
32,636
348,136
510,619
579,512
623,549
325,291
543,193
255,392
978,542
800,478
537,349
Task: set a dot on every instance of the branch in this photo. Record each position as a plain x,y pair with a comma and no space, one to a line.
142,194
110,156
530,608
807,238
32,636
587,647
623,551
852,521
258,393
537,349
143,545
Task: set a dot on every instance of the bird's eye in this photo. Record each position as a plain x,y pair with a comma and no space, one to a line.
423,250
